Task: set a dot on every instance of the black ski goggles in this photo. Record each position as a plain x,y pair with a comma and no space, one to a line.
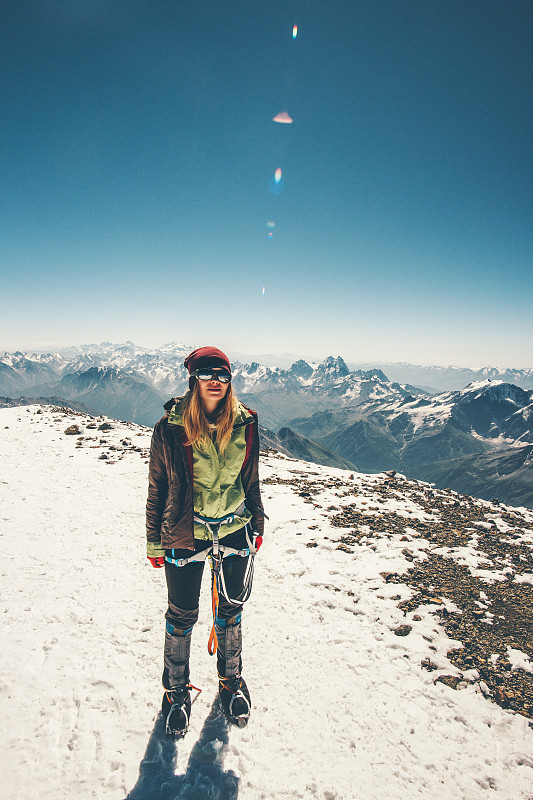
213,375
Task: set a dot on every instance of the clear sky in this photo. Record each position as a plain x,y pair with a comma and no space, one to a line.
138,156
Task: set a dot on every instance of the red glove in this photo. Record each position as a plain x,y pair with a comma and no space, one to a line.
157,562
258,542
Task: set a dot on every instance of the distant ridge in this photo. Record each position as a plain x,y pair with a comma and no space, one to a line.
10,402
439,378
472,438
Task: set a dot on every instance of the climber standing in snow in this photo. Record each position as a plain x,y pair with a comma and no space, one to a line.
204,503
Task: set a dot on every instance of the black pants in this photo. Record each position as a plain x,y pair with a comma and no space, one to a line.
184,583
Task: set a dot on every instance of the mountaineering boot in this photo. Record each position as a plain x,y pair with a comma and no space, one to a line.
176,709
176,706
234,700
233,694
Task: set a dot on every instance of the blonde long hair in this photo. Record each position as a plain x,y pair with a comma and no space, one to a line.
197,426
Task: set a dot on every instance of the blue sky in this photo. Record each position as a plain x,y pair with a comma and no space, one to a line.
138,152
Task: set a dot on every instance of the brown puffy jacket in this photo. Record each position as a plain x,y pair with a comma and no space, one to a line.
169,507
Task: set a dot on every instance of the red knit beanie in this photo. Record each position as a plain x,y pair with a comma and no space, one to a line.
203,358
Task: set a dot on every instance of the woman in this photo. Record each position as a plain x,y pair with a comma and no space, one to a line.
204,489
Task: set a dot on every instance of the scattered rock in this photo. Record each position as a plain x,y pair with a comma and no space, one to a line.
73,430
452,681
503,698
389,577
403,630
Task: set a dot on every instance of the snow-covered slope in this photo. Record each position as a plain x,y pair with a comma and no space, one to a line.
342,651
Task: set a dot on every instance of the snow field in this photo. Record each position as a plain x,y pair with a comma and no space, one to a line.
341,707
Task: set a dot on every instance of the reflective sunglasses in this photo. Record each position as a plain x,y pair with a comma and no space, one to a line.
213,375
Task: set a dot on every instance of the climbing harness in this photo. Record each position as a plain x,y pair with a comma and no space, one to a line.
216,554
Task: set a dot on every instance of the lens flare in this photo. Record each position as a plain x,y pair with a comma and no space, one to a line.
264,288
282,117
276,184
271,224
270,234
295,32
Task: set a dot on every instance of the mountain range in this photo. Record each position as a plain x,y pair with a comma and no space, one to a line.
438,378
477,439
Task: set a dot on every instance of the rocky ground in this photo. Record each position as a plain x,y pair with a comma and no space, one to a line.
96,435
470,561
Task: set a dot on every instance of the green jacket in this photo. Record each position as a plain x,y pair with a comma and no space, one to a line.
219,487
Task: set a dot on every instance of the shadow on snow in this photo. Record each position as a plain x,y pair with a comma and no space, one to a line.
204,778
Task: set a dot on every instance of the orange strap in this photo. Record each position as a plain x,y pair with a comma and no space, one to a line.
227,682
213,641
189,687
